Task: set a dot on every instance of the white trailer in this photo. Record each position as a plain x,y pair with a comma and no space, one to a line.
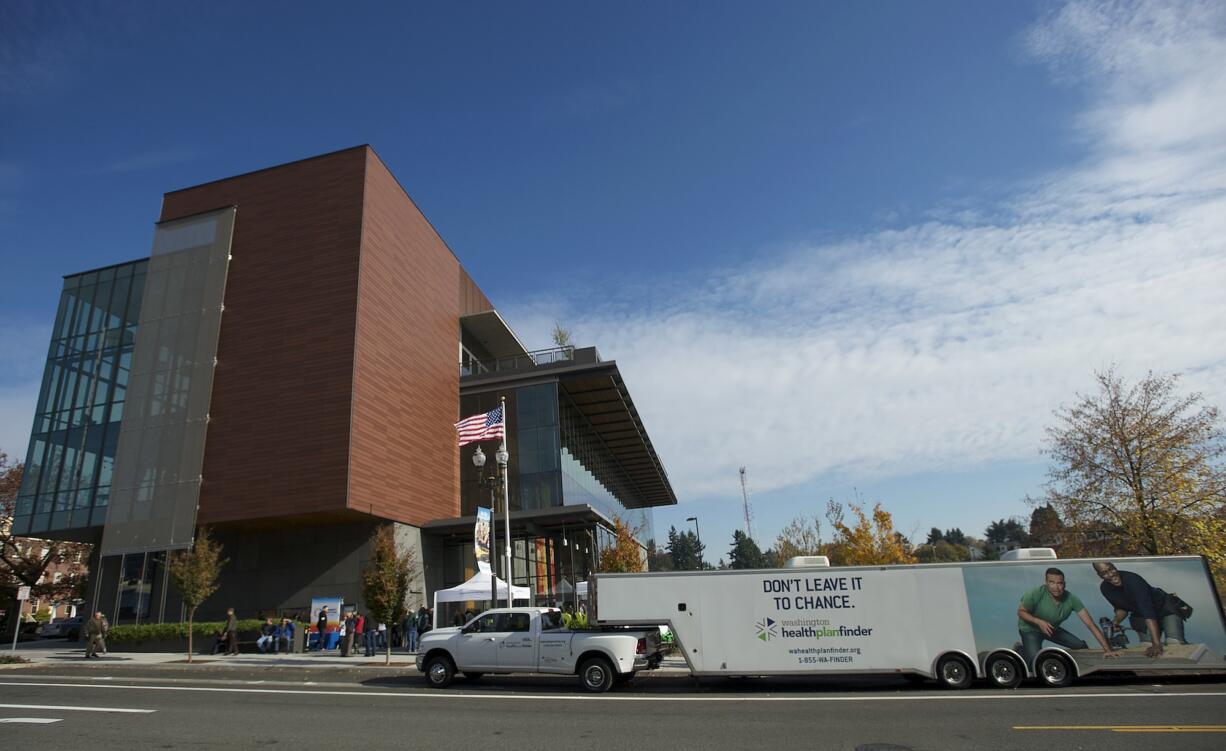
950,622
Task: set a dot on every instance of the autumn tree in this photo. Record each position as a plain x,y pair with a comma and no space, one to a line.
194,573
1136,469
385,581
624,554
868,540
801,536
28,562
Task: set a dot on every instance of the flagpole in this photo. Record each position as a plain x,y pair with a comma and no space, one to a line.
506,494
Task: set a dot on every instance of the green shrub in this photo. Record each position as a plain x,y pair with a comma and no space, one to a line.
43,615
170,631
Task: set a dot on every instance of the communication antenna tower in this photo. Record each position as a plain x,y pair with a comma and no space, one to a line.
745,500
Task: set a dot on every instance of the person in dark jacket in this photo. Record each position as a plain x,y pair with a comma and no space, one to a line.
231,632
1150,611
322,626
268,635
95,633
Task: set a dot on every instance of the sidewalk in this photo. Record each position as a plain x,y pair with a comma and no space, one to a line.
61,651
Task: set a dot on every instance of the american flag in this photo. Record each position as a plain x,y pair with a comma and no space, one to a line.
481,427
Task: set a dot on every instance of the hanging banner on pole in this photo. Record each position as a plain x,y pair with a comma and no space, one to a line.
481,539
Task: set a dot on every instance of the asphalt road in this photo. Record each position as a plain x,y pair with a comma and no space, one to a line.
102,708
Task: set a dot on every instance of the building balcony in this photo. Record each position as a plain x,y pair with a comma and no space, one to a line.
541,359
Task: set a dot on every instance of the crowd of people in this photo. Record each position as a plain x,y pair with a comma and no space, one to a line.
356,630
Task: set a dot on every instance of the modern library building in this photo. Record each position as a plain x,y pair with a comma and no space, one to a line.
286,366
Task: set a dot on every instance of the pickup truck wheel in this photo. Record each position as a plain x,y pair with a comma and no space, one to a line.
953,671
596,674
439,671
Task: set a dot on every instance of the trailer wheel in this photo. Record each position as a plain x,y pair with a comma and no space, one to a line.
596,674
953,671
1054,670
439,671
1004,671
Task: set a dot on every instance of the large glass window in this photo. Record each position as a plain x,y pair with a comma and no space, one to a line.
80,404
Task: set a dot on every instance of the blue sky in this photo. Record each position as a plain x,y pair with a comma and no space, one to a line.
863,249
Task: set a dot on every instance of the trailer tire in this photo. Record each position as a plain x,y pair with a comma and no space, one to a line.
439,671
596,674
1004,671
954,671
1054,670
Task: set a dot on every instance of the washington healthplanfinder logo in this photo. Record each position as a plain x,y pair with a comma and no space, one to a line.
807,629
767,629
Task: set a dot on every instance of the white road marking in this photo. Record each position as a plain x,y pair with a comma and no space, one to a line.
30,720
59,708
451,695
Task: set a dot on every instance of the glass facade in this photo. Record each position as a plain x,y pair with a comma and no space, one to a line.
556,459
71,458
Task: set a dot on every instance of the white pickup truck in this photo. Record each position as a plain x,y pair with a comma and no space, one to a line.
533,640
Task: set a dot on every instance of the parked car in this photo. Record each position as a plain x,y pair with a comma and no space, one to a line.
69,628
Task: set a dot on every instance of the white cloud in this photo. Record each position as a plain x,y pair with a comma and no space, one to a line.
944,345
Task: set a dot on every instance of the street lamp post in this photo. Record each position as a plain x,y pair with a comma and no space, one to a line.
502,457
698,535
490,482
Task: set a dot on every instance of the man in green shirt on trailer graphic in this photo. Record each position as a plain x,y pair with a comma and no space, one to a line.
1042,611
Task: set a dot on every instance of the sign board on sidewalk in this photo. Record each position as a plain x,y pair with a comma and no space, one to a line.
23,593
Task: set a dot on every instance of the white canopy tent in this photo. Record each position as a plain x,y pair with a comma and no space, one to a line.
565,588
477,588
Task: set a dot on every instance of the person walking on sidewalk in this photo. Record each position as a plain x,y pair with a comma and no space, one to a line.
95,632
231,632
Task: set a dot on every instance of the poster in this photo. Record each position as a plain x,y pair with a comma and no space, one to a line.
334,619
481,539
1100,612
